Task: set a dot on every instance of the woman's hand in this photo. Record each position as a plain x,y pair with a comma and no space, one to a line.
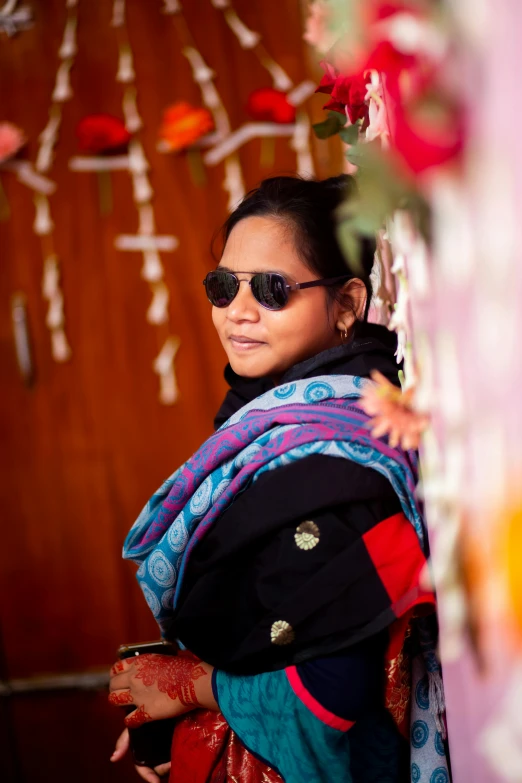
160,686
148,774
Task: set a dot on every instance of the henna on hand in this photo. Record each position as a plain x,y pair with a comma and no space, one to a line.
172,675
121,699
137,718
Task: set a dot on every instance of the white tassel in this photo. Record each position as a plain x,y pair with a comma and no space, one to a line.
247,38
158,312
125,66
152,269
54,317
301,93
280,78
142,188
48,138
43,223
50,277
28,176
233,182
171,7
133,121
201,73
163,366
60,348
147,224
44,159
248,131
301,144
69,47
118,13
138,163
62,90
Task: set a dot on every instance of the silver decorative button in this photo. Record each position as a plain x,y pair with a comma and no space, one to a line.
281,633
307,535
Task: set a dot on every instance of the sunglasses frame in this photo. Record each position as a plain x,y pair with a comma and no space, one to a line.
289,287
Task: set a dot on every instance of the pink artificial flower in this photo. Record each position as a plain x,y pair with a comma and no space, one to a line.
392,413
12,139
318,32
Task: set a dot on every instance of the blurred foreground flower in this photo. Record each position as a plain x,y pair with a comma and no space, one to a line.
392,413
319,31
101,133
183,125
12,139
269,105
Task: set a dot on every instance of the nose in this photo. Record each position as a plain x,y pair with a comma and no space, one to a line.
244,306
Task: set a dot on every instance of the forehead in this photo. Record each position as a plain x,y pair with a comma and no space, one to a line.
264,244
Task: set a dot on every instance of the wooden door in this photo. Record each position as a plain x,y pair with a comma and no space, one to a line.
86,445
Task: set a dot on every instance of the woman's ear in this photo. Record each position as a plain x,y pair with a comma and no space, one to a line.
353,304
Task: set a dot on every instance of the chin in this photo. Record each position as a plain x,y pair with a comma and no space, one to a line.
250,367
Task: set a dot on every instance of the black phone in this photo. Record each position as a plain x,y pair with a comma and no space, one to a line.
150,744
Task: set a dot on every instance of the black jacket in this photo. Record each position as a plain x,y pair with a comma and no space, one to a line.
249,573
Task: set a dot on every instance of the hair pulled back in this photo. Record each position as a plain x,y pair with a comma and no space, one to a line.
309,208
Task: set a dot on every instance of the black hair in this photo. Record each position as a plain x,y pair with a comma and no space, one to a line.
309,206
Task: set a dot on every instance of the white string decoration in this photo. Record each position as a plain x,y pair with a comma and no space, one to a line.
204,77
43,223
247,38
118,13
171,7
125,65
301,144
62,89
164,366
60,348
145,241
69,48
133,121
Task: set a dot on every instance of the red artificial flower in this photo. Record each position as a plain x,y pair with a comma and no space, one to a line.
183,125
99,133
347,93
269,105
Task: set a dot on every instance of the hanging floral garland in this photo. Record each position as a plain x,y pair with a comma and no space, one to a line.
146,239
43,223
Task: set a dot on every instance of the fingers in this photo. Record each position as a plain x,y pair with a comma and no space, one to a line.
120,698
147,774
122,746
162,769
137,718
118,668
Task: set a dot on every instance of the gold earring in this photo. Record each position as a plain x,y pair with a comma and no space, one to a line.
344,335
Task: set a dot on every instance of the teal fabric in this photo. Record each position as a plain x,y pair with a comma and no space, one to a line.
275,725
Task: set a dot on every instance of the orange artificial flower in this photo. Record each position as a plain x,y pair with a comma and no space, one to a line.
183,125
392,413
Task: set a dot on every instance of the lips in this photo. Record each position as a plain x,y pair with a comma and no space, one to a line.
242,343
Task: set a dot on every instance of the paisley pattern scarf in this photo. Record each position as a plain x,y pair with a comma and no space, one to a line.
290,422
318,416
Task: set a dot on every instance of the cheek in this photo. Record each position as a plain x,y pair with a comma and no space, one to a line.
218,319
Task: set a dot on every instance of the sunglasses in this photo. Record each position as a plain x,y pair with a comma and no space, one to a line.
270,289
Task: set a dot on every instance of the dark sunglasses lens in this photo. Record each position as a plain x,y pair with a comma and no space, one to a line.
269,290
221,288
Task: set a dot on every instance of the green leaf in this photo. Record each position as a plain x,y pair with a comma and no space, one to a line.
350,244
350,134
332,125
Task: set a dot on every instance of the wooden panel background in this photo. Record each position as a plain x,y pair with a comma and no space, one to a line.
84,448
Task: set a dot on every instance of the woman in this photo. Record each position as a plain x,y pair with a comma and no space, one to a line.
285,555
